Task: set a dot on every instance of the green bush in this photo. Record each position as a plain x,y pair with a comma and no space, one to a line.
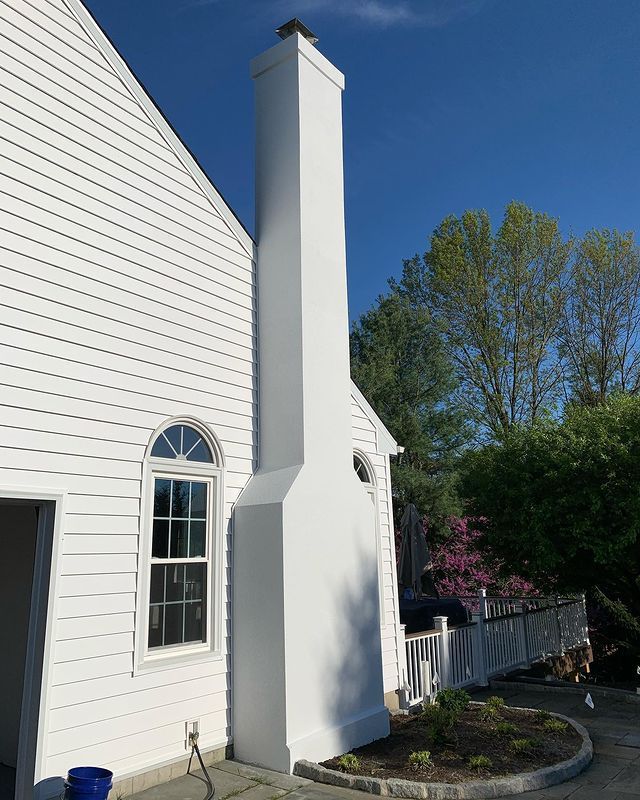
349,763
555,726
492,709
506,729
420,760
542,714
562,504
480,762
489,713
442,717
439,723
453,700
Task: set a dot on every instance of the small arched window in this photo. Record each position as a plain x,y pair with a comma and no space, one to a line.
183,443
362,470
183,543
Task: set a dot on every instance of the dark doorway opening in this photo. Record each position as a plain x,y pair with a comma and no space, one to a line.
25,544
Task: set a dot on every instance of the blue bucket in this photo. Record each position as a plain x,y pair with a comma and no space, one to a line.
88,783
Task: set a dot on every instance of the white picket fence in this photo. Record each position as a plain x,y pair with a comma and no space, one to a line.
507,633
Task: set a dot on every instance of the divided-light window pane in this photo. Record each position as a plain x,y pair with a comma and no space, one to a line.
160,545
197,532
178,590
183,443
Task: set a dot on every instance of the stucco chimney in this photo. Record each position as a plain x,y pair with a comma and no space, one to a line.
306,631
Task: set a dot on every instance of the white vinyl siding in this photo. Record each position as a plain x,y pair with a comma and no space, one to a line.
125,299
365,439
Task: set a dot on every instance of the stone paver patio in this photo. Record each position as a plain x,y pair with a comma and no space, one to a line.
614,774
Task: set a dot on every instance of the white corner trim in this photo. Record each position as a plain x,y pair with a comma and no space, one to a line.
101,40
386,443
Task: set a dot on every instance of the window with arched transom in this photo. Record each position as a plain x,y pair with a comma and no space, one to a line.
183,540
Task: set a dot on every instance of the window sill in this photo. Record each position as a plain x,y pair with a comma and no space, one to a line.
185,658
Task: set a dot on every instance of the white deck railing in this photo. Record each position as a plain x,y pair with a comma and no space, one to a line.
506,634
505,648
423,664
462,660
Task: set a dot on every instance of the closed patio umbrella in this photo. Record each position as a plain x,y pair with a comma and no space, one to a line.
415,568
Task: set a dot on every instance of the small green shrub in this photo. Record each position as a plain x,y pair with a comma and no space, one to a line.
439,723
542,714
453,700
523,746
555,726
349,763
420,760
489,713
480,762
492,709
506,729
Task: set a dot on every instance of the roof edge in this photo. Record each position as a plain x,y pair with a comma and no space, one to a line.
386,443
162,123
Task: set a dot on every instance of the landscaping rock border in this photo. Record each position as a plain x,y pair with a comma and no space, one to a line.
472,790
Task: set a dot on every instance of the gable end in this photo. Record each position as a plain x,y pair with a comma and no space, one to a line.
135,87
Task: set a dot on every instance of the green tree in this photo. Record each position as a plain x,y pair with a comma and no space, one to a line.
561,503
600,332
399,363
498,301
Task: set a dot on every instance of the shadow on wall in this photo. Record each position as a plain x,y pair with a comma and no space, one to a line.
352,680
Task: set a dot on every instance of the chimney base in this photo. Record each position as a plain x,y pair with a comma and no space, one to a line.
307,660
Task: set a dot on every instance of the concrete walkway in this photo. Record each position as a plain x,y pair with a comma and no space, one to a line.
614,774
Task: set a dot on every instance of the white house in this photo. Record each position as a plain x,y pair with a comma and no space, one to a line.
185,539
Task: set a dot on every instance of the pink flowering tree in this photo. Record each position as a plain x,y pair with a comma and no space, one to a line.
462,567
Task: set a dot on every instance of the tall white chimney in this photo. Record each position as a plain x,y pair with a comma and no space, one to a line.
307,659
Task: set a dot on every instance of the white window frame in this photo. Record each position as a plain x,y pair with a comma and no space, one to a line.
371,488
153,659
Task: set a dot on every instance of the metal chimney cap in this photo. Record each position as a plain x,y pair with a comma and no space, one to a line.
296,26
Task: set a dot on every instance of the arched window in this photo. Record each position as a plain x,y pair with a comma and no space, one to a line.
183,543
183,443
364,471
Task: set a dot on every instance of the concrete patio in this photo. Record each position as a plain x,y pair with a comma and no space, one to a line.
614,727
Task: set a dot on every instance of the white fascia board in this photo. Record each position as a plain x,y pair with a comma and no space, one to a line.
386,442
146,102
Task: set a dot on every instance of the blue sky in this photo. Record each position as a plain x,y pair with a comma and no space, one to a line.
450,104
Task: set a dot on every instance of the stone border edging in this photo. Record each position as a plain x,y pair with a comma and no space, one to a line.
535,685
472,790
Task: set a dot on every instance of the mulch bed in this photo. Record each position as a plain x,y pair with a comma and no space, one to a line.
388,758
